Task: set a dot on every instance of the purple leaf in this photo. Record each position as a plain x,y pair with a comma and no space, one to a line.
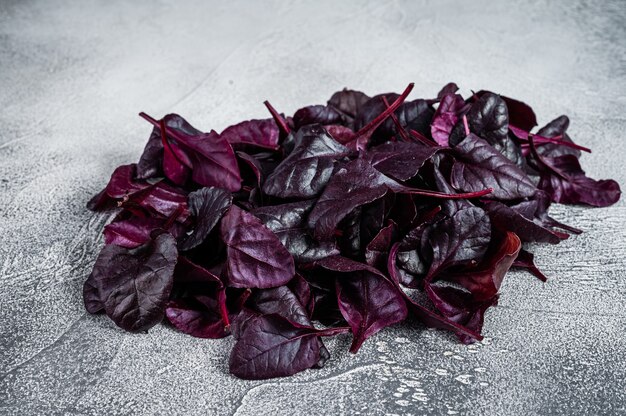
526,260
271,346
133,231
565,181
426,315
355,184
255,256
288,222
202,314
308,168
451,107
480,166
484,281
210,156
207,205
367,299
400,160
520,113
506,218
377,250
459,239
488,118
316,114
253,134
133,285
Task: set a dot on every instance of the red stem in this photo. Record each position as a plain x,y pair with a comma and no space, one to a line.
465,125
399,127
435,194
422,139
170,220
372,125
541,139
329,332
166,144
280,121
223,309
149,119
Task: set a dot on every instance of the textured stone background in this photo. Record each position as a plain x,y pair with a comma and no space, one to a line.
73,76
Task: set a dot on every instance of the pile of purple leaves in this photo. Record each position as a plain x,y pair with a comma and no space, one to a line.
346,217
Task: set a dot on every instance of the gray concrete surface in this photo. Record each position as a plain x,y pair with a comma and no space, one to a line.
73,76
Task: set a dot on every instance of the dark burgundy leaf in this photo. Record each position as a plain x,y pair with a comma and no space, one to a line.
565,181
424,313
209,155
198,316
480,166
458,306
377,250
134,231
255,256
308,168
271,346
151,160
367,299
252,134
484,281
121,184
556,128
520,113
288,222
161,199
355,184
207,206
341,134
449,88
508,219
459,239
133,285
400,160
316,114
488,118
348,102
526,260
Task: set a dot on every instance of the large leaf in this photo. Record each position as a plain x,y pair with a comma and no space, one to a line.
133,231
427,315
520,114
209,156
255,256
288,222
368,300
485,280
121,184
316,114
355,184
400,160
459,239
565,181
480,166
133,285
201,311
272,346
308,168
527,229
